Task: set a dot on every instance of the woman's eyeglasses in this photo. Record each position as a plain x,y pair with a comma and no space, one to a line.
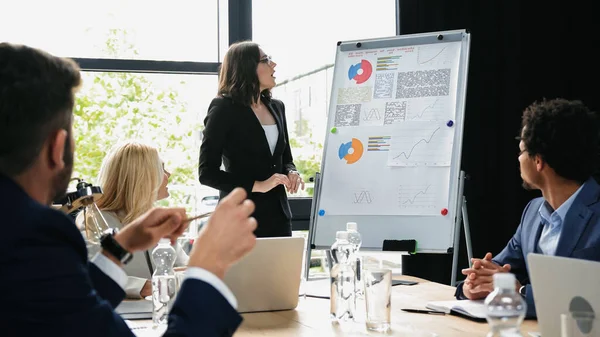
266,60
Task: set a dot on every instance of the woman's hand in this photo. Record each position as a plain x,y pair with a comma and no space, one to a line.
295,181
269,184
146,289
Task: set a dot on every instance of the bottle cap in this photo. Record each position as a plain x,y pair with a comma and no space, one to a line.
352,226
341,235
504,281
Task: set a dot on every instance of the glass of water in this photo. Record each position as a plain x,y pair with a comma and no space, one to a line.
378,297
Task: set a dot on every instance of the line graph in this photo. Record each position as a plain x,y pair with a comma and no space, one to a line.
419,196
362,197
424,59
407,156
421,144
432,109
432,55
412,200
373,114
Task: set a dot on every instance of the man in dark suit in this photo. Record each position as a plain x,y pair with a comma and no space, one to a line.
49,286
558,155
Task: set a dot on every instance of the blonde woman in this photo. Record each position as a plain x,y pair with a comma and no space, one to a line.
133,178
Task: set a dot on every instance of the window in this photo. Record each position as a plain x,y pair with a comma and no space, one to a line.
302,37
146,93
166,111
178,30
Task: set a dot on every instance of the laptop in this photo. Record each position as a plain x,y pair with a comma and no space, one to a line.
561,285
268,278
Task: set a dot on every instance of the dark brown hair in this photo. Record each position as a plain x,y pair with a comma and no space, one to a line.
37,93
237,77
566,136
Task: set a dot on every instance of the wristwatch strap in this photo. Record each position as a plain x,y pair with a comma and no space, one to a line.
111,245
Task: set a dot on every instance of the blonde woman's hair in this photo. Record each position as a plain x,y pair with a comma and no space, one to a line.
130,177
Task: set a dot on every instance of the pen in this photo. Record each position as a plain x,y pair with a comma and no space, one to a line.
419,311
204,215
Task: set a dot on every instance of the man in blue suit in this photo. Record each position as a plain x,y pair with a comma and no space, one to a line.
49,287
558,155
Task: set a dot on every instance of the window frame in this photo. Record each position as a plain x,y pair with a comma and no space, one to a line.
239,29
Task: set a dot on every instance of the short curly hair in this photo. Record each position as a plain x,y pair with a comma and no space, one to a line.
565,134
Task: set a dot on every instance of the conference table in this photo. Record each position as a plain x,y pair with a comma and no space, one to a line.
311,317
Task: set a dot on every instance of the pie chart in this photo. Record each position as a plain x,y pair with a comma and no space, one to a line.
360,72
351,151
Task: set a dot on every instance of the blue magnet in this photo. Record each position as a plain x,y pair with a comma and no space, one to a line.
450,123
321,212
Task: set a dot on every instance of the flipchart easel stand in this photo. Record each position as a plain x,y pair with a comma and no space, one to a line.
462,220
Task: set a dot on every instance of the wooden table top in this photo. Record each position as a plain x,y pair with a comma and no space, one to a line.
311,317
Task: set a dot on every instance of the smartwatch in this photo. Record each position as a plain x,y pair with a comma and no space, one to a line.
523,291
108,243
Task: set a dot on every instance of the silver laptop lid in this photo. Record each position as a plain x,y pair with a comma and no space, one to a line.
562,285
268,278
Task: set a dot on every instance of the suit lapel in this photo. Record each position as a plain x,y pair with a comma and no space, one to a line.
260,131
275,112
575,222
577,218
536,232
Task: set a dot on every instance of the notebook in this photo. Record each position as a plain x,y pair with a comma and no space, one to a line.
473,310
135,309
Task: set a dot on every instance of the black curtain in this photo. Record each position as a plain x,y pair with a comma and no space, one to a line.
521,51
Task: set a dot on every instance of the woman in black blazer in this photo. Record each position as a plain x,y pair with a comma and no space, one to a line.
246,130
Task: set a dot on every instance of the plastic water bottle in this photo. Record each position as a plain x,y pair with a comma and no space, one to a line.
343,279
163,281
505,307
355,240
354,236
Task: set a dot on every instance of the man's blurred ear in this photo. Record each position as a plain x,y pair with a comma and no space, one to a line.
57,149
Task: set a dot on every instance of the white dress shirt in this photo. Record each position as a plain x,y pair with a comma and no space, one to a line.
553,221
137,271
118,275
272,134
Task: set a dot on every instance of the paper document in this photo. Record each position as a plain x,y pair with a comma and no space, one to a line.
470,309
146,328
421,144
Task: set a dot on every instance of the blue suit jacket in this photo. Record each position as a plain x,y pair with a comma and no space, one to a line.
51,288
579,238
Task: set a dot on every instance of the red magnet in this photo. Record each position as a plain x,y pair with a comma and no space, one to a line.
444,211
